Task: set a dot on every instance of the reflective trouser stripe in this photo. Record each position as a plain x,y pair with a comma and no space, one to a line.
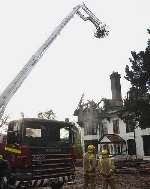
45,182
38,183
13,150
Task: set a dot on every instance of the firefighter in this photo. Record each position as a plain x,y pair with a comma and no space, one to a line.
4,173
89,166
106,168
3,166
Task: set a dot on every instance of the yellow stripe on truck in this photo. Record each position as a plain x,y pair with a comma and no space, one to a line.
13,150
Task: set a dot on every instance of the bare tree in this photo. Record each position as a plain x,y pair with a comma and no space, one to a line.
47,115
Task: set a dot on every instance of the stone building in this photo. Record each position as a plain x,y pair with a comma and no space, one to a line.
88,121
102,126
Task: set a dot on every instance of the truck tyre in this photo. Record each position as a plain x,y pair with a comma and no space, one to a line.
57,186
3,183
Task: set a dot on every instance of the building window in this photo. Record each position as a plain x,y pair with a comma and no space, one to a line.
86,128
104,129
146,145
90,129
129,126
101,131
94,130
131,147
116,126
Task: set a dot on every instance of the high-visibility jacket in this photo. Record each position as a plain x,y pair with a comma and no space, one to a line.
1,157
105,167
89,164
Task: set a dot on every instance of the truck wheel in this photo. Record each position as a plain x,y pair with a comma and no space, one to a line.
3,183
57,186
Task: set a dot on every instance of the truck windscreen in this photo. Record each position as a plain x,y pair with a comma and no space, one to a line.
45,134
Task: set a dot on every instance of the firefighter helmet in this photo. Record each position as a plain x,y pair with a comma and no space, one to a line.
91,148
104,153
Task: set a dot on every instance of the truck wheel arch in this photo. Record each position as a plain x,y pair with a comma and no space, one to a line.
57,186
4,182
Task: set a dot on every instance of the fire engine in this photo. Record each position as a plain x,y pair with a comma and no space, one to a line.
39,152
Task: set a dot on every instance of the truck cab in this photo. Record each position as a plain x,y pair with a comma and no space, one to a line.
38,153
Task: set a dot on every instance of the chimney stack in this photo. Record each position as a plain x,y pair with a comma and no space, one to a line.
115,86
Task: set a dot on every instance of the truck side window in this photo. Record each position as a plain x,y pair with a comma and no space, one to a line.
13,133
11,126
64,134
35,133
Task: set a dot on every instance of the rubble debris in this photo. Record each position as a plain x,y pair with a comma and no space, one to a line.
133,166
131,174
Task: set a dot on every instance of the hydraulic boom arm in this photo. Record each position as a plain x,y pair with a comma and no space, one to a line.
10,90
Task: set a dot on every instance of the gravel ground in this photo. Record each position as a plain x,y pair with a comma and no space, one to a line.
123,181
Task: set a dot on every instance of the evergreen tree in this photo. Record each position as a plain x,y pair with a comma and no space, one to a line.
136,109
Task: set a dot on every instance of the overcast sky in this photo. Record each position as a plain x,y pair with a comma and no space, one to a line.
76,62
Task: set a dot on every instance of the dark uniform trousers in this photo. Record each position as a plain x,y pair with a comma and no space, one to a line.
89,180
106,170
89,171
108,182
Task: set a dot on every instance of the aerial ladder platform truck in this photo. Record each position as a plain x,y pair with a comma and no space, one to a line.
40,152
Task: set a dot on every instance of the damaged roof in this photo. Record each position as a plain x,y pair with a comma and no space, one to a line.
111,138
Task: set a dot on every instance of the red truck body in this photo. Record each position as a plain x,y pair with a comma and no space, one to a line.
39,153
